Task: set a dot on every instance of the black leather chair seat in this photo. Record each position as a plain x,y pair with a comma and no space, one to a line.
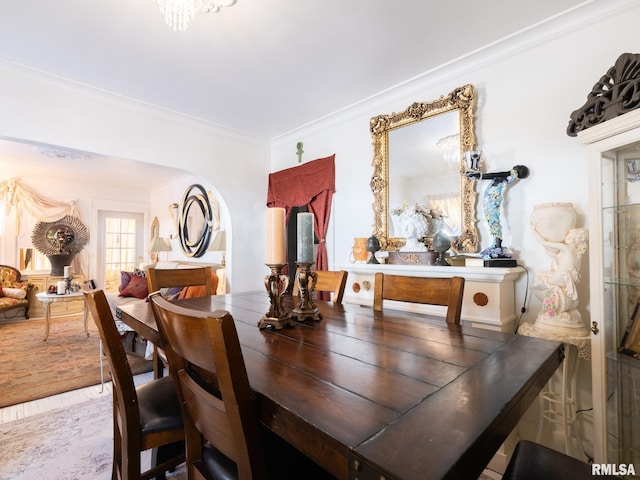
531,461
159,405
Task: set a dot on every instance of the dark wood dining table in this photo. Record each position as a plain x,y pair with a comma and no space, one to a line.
393,395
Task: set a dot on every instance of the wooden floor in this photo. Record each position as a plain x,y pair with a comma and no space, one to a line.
67,399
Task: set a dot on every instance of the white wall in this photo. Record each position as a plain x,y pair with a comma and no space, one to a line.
526,90
41,108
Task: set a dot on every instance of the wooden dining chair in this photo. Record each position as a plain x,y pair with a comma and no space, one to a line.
145,417
447,292
196,281
191,282
330,281
223,436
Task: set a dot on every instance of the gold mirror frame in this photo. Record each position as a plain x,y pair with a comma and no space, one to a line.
462,99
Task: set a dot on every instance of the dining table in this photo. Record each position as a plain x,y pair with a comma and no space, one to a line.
381,395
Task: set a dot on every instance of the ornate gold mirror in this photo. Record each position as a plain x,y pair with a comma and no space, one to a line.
419,158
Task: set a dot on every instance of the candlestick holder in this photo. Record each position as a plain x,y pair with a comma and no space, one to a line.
307,308
67,284
276,284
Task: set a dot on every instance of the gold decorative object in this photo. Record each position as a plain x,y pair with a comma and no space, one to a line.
276,284
462,100
307,308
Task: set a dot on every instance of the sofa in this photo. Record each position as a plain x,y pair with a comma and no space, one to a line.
14,292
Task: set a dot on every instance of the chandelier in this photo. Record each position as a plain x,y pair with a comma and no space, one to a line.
178,13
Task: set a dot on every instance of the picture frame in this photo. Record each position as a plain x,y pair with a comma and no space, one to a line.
630,344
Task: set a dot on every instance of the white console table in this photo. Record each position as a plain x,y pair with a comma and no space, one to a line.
489,293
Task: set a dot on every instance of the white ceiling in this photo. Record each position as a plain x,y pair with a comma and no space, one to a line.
261,67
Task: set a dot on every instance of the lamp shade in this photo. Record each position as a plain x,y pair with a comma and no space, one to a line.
219,242
159,245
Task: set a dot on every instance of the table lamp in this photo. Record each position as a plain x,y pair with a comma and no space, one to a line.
219,244
158,245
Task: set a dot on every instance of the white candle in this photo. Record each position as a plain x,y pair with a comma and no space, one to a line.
67,272
62,285
276,251
305,237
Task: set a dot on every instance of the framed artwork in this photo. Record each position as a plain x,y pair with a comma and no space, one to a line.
630,344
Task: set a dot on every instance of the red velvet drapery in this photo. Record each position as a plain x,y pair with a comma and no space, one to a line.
311,184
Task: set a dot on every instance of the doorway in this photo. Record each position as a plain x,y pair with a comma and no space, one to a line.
120,246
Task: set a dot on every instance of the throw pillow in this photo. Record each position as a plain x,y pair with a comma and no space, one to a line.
19,293
137,287
125,278
139,273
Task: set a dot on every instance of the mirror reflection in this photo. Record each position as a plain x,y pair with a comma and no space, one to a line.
424,168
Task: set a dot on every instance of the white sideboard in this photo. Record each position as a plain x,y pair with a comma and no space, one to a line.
489,293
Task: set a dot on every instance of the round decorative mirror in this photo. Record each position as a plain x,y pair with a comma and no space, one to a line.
196,222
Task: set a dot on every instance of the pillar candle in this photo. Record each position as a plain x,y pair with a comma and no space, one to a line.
305,237
61,287
67,272
276,250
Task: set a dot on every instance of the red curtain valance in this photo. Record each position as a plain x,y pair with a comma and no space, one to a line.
311,184
298,186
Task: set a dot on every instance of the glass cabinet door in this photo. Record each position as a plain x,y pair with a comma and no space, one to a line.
620,175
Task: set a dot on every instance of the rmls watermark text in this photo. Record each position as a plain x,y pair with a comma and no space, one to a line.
612,469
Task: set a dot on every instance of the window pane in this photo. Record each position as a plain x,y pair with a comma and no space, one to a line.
120,249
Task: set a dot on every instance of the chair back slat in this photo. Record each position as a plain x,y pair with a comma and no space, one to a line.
121,375
433,291
204,354
158,278
330,281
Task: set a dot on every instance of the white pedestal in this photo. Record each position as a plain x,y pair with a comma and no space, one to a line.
558,399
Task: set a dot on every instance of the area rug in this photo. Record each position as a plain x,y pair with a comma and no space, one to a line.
31,369
75,443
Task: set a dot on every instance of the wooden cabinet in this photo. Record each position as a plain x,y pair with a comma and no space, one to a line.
40,284
489,293
614,265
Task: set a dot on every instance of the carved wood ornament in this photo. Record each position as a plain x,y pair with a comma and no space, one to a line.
616,93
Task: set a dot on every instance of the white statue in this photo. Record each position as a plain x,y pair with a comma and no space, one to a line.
554,226
416,222
413,227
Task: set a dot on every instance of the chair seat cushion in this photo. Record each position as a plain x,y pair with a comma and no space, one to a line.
159,405
531,461
215,465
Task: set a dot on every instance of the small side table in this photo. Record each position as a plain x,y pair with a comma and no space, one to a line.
48,298
559,407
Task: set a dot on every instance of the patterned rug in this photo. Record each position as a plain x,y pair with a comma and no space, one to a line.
31,369
74,443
